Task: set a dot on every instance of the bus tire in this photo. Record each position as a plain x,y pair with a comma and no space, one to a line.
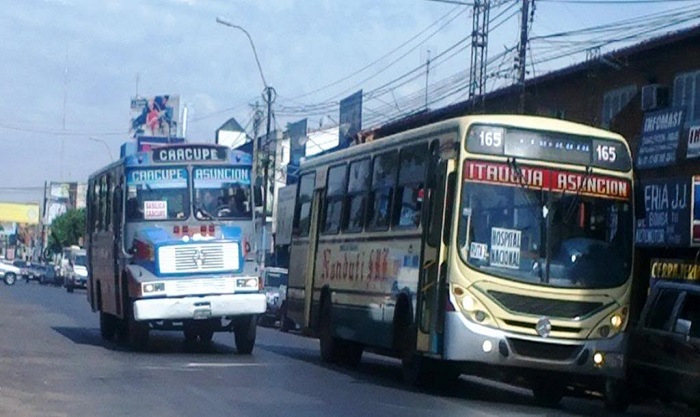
206,335
10,278
245,331
108,326
330,348
286,324
69,288
617,397
351,353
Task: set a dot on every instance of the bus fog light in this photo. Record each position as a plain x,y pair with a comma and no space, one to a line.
480,316
487,346
598,358
468,303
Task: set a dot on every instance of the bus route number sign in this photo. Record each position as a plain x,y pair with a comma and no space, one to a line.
486,139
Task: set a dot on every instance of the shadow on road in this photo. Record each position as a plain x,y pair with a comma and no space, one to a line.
159,342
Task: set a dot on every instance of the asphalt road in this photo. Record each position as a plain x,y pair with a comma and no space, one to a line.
54,363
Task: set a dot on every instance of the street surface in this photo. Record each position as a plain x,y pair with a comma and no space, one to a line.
54,363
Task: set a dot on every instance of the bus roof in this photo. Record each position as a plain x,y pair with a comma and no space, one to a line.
460,124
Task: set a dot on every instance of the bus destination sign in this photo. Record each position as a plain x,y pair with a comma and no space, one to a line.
190,153
548,146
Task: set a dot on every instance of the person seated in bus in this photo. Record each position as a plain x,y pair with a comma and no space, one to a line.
237,201
206,204
133,209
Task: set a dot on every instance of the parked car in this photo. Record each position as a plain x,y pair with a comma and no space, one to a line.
28,272
275,282
9,272
664,347
47,274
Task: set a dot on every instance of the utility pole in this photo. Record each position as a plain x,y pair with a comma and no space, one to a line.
480,41
427,74
269,96
522,52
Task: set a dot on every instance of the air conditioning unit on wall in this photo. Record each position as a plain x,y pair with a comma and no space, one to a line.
654,96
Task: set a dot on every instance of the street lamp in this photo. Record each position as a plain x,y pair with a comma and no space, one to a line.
269,95
94,139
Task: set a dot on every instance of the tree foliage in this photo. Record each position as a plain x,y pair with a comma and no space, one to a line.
67,229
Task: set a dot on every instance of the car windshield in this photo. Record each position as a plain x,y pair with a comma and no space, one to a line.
157,194
545,237
222,193
80,260
275,279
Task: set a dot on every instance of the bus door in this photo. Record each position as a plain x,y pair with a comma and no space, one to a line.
314,229
437,212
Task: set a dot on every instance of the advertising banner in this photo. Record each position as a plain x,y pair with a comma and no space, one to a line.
696,211
297,141
674,269
19,213
693,142
155,116
667,204
350,119
146,143
661,131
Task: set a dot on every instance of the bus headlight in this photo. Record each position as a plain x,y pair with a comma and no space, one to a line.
152,288
247,283
471,307
613,324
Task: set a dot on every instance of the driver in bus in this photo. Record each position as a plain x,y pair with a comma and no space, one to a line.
207,204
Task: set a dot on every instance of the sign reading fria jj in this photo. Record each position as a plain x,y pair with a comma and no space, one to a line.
190,153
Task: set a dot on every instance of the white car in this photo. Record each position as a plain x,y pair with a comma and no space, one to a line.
9,273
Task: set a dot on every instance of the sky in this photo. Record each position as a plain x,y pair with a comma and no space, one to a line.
70,67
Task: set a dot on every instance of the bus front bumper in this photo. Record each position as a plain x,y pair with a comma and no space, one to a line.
476,344
210,306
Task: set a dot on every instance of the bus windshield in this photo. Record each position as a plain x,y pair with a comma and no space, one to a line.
222,193
546,237
157,194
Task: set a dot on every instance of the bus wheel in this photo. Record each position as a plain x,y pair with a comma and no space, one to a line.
548,393
286,324
108,326
617,397
245,331
206,335
330,348
136,331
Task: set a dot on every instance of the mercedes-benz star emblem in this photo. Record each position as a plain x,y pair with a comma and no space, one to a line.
199,258
543,327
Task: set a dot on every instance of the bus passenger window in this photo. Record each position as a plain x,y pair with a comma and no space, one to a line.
384,170
412,174
356,204
335,195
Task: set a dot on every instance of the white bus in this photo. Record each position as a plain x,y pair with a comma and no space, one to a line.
486,244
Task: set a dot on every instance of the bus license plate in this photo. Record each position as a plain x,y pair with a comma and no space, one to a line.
202,313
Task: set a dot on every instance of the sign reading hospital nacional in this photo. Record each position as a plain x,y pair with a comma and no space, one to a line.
661,132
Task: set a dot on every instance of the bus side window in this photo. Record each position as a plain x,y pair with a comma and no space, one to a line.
356,201
412,174
384,171
302,209
335,195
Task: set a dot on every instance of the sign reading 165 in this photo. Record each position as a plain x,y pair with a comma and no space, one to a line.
606,153
491,138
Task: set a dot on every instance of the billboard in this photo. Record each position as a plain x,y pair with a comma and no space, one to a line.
693,142
661,132
695,223
155,116
667,204
350,119
19,213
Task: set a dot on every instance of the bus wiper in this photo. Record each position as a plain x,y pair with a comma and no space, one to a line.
513,164
577,197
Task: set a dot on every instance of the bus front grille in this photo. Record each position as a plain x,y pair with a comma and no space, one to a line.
546,307
546,351
199,258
